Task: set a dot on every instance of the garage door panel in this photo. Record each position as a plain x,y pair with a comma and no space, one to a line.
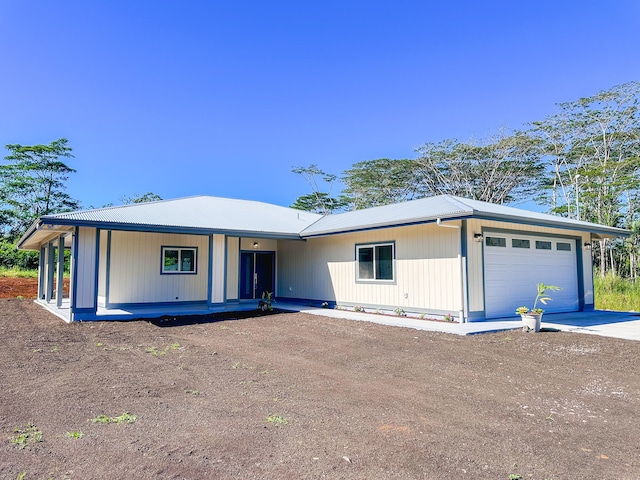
511,274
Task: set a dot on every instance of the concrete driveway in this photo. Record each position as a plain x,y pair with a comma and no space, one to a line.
624,325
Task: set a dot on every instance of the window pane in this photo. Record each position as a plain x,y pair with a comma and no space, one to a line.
188,263
496,242
519,243
171,260
365,263
384,262
540,245
563,246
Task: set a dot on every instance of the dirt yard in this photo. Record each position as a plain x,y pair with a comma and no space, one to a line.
292,396
13,287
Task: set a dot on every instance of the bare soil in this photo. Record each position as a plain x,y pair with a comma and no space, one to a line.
15,287
293,396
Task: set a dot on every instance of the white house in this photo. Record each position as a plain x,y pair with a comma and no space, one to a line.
439,255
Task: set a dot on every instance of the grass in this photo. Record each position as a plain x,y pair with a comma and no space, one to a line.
616,293
75,434
17,272
277,419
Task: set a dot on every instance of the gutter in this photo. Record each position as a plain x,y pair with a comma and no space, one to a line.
460,262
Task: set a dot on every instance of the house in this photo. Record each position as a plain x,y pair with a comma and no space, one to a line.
439,255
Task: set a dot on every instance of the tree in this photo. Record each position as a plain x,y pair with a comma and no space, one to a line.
136,198
504,169
381,182
32,184
317,201
593,149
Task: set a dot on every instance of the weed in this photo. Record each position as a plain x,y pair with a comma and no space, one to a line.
124,418
21,476
55,349
515,476
236,365
277,419
358,308
154,351
26,436
174,346
99,344
75,434
192,392
224,327
37,350
20,297
400,312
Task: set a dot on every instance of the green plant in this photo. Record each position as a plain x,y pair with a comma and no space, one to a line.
192,392
267,300
400,312
277,419
124,418
358,308
448,318
325,304
26,436
75,434
515,476
21,476
422,316
541,297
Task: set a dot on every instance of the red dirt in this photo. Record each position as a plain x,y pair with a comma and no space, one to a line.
13,287
360,400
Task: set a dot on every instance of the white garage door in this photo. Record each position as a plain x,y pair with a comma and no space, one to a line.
514,264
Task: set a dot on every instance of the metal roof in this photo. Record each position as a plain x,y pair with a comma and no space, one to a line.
444,207
205,214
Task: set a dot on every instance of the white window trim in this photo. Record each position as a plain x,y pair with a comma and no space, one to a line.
179,271
373,246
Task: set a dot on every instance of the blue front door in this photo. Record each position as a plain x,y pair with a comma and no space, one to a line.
257,274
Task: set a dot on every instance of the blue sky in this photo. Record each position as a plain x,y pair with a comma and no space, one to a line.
223,98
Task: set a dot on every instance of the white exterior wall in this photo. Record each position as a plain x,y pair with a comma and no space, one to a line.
427,269
233,267
102,269
218,284
85,292
135,265
264,244
475,259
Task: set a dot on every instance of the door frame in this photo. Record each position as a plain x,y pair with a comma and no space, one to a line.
272,253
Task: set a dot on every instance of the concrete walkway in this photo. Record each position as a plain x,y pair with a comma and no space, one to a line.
624,325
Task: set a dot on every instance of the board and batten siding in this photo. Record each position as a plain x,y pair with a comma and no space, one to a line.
476,265
135,265
102,269
233,267
218,269
85,267
427,269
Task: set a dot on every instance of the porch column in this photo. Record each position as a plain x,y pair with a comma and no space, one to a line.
60,279
50,261
41,272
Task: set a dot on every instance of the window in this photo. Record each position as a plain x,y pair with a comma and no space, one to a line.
566,247
179,260
375,262
542,245
520,243
496,242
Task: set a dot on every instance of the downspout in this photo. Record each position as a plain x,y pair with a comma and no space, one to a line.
459,228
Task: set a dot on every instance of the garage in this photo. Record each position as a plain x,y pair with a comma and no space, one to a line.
514,263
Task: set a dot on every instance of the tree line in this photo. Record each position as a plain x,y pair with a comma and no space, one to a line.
33,183
582,162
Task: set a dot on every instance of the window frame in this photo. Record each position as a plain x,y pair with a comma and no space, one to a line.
179,271
374,246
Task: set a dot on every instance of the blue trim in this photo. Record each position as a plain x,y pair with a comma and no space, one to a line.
178,272
375,281
210,270
226,269
580,268
307,301
125,305
476,316
74,274
84,311
465,267
239,266
41,279
60,271
107,286
165,229
589,308
97,271
50,259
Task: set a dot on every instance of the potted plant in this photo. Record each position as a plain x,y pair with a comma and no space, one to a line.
531,318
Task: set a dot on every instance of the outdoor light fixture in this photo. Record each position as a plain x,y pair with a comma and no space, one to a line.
478,237
256,244
587,245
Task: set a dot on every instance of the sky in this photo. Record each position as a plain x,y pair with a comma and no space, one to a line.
223,98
